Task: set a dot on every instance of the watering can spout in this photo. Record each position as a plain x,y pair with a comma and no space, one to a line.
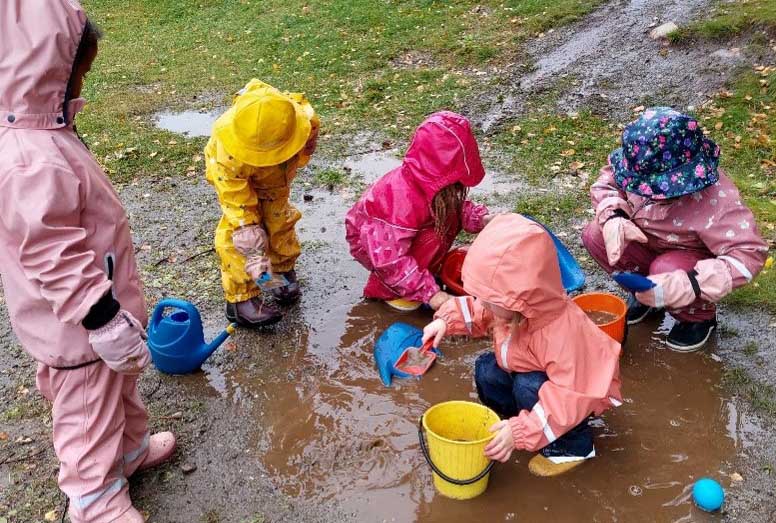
217,341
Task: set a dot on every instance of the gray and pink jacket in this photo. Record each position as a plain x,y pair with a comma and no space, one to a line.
64,235
713,221
391,228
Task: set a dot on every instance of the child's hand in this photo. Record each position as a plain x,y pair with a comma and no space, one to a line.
438,299
501,447
436,330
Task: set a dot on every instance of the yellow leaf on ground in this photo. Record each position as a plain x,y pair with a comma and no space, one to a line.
568,152
51,515
718,125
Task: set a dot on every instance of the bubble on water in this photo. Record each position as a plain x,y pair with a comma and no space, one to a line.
635,490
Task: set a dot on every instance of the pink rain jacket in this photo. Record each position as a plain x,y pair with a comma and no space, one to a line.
63,231
713,221
396,211
513,264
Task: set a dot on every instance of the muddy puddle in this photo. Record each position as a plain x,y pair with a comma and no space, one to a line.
188,123
329,431
332,431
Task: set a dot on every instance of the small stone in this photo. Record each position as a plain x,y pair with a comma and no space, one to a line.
663,30
188,468
308,197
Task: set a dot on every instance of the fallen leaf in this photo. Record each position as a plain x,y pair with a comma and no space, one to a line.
51,515
735,476
576,165
568,152
3,436
638,109
153,154
718,125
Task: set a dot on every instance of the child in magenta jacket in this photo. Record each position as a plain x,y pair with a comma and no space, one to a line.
402,227
67,263
664,209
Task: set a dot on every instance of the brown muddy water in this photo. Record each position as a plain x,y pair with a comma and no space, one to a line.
327,430
331,431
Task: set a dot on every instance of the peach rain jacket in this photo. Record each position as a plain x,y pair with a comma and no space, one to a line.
513,264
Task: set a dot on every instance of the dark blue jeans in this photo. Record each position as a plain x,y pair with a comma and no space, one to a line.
509,393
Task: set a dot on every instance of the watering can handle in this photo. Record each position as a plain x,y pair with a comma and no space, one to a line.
424,449
175,304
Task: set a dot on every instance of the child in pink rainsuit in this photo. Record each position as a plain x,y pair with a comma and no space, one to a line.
665,210
402,227
552,367
67,263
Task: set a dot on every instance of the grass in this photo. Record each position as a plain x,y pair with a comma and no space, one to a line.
364,64
743,122
729,19
760,395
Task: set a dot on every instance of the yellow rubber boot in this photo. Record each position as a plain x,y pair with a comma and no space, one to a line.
404,305
541,466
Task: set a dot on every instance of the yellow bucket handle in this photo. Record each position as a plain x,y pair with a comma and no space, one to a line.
424,450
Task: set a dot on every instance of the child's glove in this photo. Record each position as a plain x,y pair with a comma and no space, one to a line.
251,241
673,290
121,344
618,232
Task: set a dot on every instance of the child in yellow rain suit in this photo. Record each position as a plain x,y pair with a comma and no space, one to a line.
252,157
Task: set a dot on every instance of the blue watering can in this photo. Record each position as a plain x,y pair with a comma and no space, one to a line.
177,341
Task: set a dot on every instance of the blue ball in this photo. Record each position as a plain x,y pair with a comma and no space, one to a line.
708,494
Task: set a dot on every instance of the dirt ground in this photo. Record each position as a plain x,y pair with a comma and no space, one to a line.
260,389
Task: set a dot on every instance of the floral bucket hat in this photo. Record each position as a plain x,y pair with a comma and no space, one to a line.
664,155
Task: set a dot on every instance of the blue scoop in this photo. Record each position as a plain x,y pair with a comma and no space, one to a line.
632,281
570,272
391,345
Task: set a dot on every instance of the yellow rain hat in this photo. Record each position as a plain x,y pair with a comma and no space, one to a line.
265,127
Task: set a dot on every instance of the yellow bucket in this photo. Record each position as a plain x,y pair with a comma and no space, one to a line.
457,433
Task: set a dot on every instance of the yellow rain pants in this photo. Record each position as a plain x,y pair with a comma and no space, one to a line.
248,196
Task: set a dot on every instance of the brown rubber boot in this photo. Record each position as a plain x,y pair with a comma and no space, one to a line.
290,293
253,313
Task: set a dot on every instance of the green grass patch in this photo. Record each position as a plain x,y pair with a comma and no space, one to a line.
760,395
373,64
729,19
544,148
743,122
331,177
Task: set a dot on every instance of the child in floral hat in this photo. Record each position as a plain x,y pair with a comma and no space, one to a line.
665,210
252,158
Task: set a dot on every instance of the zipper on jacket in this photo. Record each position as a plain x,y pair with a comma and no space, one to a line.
504,350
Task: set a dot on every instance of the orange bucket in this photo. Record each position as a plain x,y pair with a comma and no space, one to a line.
605,302
451,271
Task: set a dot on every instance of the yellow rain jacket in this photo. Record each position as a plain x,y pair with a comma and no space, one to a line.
252,158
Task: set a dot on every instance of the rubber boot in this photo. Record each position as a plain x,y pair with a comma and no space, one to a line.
290,293
541,466
161,447
404,305
253,313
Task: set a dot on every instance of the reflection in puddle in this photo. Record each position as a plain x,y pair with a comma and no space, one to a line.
188,123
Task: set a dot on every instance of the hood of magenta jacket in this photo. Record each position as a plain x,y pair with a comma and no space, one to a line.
443,151
64,235
39,40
